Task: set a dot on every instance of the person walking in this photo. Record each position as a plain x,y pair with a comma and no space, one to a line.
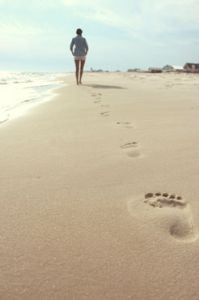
79,49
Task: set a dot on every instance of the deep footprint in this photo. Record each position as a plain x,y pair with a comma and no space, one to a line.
105,113
131,150
182,227
125,124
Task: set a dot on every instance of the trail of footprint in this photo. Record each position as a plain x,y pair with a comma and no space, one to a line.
174,212
128,148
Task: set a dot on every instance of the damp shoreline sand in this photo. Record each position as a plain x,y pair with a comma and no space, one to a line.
99,192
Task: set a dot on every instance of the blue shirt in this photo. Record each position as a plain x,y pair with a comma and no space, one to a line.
79,46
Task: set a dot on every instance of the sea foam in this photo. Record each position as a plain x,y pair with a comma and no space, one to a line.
20,91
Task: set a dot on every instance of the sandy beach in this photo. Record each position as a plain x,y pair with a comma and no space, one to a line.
99,192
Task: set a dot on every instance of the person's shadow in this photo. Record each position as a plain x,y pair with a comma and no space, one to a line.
102,86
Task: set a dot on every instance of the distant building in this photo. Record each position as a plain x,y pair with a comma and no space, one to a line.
98,70
191,68
155,70
172,68
133,70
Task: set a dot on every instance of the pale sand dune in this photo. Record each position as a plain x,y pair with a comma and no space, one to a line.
99,192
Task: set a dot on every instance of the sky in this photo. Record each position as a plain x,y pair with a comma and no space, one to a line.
35,35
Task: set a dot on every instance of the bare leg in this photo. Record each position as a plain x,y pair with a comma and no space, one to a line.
77,65
81,70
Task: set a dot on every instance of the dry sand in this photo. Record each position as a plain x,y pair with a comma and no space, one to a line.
99,192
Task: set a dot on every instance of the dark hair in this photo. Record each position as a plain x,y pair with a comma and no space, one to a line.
79,31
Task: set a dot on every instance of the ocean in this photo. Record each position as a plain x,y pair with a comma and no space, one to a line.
20,91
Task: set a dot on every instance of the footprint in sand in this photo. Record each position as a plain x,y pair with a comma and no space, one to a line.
93,95
130,149
125,124
96,95
170,211
105,113
168,85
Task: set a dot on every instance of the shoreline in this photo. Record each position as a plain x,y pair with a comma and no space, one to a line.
99,192
29,94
